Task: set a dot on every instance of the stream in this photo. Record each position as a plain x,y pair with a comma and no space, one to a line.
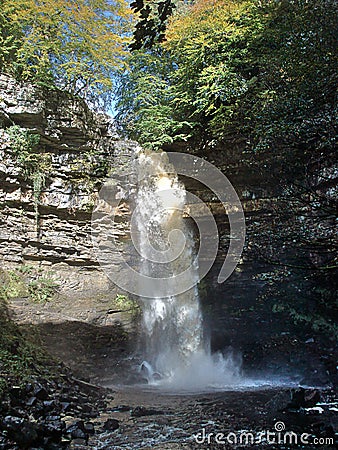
154,419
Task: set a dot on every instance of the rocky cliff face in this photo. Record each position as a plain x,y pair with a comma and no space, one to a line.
82,148
277,308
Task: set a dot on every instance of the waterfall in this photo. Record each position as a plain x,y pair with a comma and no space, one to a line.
176,351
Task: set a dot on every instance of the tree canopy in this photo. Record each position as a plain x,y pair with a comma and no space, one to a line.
265,70
151,26
78,45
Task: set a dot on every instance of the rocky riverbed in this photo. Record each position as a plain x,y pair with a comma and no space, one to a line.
73,414
101,404
150,419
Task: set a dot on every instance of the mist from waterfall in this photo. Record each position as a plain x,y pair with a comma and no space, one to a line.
176,351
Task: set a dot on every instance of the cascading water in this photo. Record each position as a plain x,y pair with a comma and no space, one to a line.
165,269
176,350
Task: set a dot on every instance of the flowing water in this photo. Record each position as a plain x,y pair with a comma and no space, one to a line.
176,351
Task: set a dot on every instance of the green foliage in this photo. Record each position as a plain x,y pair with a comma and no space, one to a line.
318,323
12,285
27,281
19,358
23,144
146,96
308,298
33,164
42,289
91,164
151,28
76,45
297,52
10,35
123,302
263,70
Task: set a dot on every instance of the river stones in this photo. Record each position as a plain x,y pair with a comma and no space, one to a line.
111,425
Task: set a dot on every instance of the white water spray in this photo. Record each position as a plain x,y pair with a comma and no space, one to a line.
176,349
